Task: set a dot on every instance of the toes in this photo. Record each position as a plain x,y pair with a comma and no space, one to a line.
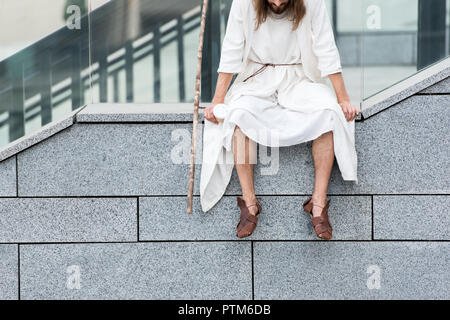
325,235
243,233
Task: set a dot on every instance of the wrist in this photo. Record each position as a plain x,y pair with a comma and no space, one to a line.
217,101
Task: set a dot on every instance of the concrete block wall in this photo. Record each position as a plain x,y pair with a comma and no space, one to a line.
98,211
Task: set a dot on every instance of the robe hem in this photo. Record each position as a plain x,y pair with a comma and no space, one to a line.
216,199
344,176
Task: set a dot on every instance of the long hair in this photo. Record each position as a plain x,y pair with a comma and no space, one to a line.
296,10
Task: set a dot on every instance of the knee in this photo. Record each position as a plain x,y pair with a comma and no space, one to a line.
237,131
325,135
239,136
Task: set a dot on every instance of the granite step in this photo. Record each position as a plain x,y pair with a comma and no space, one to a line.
223,270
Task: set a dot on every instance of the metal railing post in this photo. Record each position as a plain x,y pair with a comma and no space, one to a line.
17,109
431,32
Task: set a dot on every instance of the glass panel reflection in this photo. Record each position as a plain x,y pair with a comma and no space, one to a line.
402,37
389,42
43,53
55,57
144,50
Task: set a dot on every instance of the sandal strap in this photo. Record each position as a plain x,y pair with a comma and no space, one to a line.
241,223
308,204
321,228
319,220
242,217
241,202
258,206
246,215
321,223
251,218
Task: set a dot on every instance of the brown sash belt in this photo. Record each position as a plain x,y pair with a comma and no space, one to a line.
265,65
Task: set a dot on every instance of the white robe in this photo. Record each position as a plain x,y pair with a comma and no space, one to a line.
319,57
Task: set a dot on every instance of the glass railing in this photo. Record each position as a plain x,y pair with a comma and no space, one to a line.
382,42
401,37
145,51
63,54
44,49
58,55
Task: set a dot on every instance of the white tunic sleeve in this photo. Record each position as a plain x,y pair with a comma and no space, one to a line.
324,45
231,58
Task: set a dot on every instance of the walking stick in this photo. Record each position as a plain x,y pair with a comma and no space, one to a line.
196,105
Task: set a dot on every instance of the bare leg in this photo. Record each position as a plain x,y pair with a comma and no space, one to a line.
323,155
244,151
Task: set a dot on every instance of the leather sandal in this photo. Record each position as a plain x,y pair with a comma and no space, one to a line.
247,221
321,224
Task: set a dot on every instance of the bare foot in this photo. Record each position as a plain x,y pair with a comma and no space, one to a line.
253,210
318,205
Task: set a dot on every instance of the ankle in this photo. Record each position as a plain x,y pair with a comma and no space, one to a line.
319,200
249,199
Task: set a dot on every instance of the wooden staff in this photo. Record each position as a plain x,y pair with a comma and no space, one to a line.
196,105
